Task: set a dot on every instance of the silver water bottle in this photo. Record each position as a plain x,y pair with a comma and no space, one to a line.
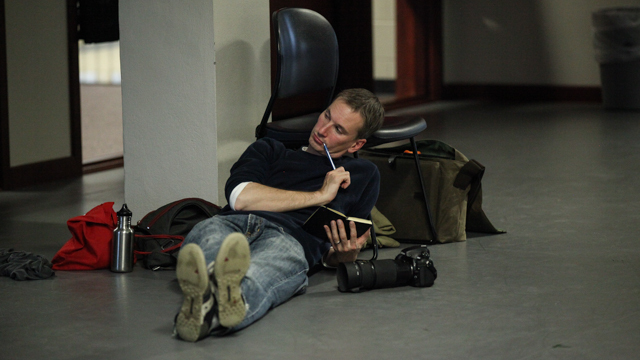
122,244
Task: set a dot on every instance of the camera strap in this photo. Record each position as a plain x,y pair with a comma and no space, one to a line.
374,241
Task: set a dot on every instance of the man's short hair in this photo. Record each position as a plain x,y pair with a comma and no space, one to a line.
368,105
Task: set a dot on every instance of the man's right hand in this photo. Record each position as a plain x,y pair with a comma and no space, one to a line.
333,181
260,197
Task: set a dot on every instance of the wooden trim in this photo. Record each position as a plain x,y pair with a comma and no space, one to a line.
102,165
74,81
38,173
522,93
435,77
419,49
4,102
410,40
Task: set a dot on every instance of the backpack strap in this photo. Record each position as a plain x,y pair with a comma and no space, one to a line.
157,251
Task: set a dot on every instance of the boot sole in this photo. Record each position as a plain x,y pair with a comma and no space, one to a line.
232,263
193,278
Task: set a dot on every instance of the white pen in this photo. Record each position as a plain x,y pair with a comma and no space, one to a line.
329,156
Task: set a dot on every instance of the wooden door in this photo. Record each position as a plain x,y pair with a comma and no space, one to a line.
50,162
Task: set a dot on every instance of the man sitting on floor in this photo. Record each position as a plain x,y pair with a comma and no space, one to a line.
255,255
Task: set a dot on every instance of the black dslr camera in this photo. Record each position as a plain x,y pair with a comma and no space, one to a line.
413,266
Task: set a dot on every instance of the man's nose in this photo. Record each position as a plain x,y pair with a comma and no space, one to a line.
323,130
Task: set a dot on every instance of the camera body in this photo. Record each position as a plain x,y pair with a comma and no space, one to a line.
418,258
413,266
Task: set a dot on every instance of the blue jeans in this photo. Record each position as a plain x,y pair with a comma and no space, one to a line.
278,268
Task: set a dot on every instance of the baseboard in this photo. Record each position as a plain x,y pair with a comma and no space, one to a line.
102,165
395,104
521,93
42,172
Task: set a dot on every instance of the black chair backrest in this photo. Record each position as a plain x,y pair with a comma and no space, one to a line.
307,60
307,52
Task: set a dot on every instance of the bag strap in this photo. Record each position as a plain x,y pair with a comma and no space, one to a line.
470,174
165,250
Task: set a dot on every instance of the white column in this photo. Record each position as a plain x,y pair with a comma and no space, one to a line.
195,80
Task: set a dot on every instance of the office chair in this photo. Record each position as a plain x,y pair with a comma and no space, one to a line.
307,63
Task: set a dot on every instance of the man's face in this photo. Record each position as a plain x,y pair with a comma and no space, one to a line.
337,127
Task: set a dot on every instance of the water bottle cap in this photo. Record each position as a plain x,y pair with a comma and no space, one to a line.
124,211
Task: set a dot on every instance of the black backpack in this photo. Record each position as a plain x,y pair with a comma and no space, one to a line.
160,233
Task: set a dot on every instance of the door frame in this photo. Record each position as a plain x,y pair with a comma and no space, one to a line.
50,170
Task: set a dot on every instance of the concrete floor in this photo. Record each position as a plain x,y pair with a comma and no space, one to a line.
563,283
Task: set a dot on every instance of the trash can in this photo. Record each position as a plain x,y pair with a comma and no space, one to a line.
616,38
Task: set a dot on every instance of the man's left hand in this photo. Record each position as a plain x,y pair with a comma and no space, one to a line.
346,247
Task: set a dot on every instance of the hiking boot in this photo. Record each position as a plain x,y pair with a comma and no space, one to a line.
198,312
230,267
212,295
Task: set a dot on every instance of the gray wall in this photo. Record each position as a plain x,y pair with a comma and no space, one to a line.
528,42
539,42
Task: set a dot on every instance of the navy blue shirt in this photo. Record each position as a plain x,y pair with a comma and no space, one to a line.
269,163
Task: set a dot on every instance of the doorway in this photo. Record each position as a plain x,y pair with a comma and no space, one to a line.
407,51
101,102
384,49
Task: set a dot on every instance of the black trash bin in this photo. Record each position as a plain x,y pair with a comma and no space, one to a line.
616,38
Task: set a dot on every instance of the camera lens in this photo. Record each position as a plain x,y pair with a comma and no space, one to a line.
373,274
411,267
350,275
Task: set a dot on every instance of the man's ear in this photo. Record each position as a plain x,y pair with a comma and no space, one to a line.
357,145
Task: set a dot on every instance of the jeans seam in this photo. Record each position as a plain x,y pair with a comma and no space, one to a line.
271,290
